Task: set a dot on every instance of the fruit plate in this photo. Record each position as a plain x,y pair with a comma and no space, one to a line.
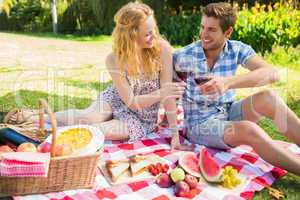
127,178
92,145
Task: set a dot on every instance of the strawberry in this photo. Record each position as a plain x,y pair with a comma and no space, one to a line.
165,168
159,167
155,171
150,167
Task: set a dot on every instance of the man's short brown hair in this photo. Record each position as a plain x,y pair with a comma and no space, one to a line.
222,11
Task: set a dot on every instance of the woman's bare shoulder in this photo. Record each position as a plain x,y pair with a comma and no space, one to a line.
165,46
110,61
166,50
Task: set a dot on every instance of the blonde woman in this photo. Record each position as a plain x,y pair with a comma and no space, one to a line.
141,70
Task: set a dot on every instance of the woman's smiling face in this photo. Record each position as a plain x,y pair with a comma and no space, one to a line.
146,33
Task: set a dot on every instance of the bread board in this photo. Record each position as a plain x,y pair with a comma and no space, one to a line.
127,178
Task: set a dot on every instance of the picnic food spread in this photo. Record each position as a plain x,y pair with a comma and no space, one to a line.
133,168
187,176
185,179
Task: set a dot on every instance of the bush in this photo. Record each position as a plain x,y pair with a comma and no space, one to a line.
181,29
264,26
261,26
28,15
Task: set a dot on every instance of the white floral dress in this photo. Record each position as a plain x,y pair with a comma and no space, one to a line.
140,121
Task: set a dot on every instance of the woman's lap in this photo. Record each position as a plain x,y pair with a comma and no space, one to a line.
136,126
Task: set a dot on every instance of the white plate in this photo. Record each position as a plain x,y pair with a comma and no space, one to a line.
95,144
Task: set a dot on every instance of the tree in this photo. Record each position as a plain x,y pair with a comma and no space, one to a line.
54,16
6,5
104,12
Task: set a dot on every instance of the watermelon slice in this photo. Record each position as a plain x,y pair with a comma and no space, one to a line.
210,169
189,162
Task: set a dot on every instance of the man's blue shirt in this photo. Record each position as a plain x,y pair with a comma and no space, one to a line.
191,59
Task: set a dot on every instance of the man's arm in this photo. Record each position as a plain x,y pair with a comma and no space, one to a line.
261,73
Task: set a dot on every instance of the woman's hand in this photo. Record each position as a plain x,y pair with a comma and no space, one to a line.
172,90
175,143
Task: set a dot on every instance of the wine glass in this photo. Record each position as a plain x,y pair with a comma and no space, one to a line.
182,68
200,79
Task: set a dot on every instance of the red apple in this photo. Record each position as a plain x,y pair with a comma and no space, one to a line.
63,150
164,181
192,181
182,189
44,147
26,147
5,149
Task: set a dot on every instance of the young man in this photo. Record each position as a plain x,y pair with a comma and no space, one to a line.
212,116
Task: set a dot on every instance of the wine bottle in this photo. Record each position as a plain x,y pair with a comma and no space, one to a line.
8,135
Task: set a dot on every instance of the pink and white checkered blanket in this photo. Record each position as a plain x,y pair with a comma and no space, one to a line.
258,173
24,164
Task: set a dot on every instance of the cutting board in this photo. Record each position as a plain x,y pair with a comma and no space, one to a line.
127,178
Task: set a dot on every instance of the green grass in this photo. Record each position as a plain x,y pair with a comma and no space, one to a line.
81,38
77,87
288,62
288,57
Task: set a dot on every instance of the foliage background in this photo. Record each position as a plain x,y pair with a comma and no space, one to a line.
262,24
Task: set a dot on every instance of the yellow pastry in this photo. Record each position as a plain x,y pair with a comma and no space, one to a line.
78,138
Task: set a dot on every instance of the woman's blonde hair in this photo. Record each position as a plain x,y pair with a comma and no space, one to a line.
127,20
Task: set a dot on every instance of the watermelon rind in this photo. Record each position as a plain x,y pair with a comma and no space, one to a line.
190,165
218,177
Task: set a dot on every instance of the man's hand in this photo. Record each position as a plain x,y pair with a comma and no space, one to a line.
175,143
217,86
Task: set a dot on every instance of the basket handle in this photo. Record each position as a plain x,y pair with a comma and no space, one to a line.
43,105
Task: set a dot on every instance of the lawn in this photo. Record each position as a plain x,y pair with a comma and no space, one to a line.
75,87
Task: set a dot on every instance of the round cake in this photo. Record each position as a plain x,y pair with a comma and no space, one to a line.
83,139
78,138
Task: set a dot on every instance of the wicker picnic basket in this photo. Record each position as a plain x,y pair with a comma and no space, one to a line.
65,173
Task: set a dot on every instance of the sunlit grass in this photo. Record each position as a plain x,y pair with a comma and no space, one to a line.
81,38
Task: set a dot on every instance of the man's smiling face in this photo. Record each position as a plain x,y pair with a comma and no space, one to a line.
211,35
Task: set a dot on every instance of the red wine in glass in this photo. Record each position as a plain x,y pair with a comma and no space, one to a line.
202,79
181,76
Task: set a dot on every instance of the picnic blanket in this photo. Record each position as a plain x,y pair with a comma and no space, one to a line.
259,174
